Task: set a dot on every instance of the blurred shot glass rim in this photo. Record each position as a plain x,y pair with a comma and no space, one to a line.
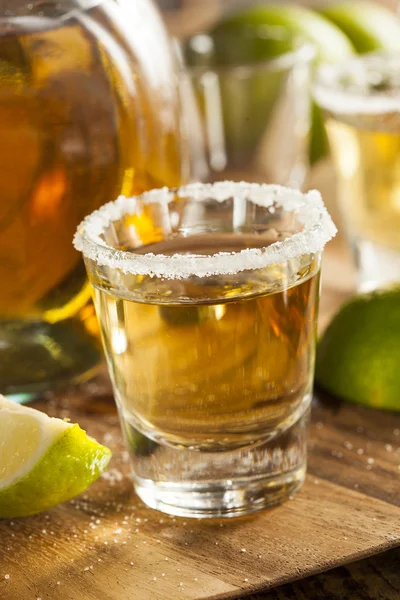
367,84
201,45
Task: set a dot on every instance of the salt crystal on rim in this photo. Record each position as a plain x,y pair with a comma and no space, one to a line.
309,209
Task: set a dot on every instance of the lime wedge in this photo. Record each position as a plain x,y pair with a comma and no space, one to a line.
43,461
358,356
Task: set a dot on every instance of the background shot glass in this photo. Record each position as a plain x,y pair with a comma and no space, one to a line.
255,113
207,298
361,101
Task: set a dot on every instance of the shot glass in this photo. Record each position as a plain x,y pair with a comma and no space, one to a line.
361,102
254,111
207,297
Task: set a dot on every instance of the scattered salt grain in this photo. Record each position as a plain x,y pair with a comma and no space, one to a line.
245,580
348,445
6,576
388,447
243,550
370,461
360,451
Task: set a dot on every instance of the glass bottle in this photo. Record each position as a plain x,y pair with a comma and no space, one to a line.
89,110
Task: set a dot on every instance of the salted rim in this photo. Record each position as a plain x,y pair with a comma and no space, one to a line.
309,208
343,88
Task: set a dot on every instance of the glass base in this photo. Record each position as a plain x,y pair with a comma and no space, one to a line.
377,266
190,483
38,356
220,499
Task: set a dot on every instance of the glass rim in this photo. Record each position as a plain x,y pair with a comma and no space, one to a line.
304,53
318,229
346,97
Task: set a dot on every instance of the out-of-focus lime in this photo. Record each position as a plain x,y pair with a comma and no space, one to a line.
358,356
369,25
330,43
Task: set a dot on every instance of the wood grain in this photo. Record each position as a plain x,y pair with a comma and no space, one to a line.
375,578
105,545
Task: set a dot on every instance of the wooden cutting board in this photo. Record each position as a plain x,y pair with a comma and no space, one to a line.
105,545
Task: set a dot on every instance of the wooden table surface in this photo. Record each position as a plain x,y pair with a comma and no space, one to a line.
375,578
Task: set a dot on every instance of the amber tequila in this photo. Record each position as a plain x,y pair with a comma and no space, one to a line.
209,333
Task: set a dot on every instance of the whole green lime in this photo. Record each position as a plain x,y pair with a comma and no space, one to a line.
358,357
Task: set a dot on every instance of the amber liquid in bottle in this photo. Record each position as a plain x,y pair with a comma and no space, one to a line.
85,115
